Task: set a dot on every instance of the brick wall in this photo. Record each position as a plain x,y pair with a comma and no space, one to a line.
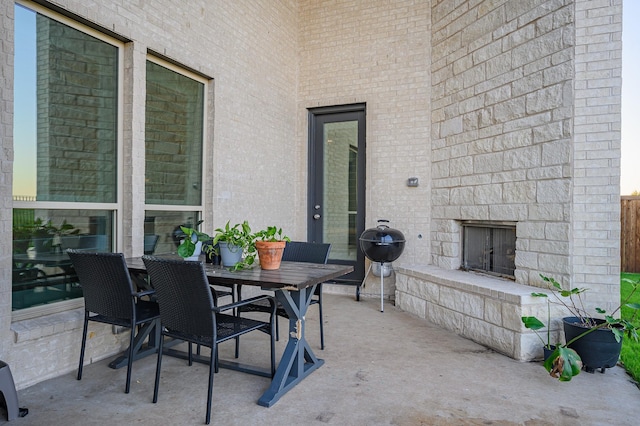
377,53
596,150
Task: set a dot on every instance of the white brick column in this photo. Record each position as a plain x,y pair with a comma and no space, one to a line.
596,154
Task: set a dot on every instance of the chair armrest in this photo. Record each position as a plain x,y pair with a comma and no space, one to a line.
271,299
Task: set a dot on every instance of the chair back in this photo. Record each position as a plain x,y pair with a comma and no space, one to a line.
300,251
106,283
183,294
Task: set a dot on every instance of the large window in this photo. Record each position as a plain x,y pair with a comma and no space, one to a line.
65,172
174,148
173,137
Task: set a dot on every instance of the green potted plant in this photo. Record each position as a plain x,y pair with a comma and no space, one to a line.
580,327
235,245
270,244
192,240
534,324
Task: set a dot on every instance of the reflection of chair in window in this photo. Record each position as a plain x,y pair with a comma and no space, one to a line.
150,243
93,243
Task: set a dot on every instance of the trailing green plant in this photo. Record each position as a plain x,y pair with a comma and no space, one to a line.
191,238
564,362
238,235
270,234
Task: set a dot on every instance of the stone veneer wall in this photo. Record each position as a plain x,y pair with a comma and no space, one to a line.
526,129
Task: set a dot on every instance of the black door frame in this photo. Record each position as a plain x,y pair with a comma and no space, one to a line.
315,188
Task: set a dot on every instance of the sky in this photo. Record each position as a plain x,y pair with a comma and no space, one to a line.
630,164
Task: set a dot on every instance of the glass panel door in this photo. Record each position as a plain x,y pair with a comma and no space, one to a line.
336,183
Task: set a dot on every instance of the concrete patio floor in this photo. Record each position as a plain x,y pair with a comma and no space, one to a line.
386,368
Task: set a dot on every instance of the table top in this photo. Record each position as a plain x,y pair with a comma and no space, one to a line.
290,276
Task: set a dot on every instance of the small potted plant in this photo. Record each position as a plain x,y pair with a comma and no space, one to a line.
580,349
270,244
235,245
191,245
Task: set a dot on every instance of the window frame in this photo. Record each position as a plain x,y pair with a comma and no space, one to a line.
117,206
185,71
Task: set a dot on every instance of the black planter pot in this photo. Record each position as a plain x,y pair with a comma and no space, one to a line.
548,351
598,349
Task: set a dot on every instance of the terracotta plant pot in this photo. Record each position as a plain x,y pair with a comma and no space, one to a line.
270,253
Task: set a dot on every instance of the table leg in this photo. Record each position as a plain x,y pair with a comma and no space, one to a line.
138,350
298,360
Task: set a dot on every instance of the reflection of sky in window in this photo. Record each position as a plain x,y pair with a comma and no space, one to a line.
24,121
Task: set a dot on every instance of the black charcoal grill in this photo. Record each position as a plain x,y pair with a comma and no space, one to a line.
382,244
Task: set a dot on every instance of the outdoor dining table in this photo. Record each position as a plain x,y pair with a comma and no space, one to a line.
294,284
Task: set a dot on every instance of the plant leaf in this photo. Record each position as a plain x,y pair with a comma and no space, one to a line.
563,364
539,294
618,334
532,322
187,248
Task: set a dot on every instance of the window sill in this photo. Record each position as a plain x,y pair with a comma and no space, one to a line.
47,325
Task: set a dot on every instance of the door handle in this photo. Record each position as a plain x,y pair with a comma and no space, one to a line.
316,216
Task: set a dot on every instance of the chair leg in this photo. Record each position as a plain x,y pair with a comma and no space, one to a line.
130,360
237,346
321,321
158,367
84,342
277,329
212,366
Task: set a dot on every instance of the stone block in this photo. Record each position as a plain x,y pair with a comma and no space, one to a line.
487,194
411,304
446,318
496,337
493,311
461,301
528,347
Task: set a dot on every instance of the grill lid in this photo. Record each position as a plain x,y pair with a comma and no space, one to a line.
382,243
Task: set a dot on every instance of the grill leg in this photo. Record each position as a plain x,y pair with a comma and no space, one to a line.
381,287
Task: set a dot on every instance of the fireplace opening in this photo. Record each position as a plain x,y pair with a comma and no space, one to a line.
489,247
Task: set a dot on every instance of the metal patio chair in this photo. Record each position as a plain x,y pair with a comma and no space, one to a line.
110,298
188,312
